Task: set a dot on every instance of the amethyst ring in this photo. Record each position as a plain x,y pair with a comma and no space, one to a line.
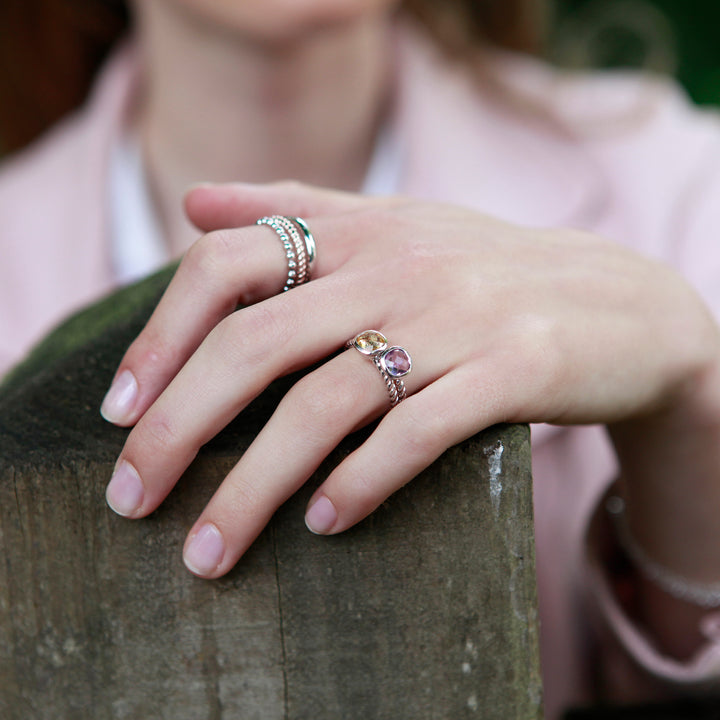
392,362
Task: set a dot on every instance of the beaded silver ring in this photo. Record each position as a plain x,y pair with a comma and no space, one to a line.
300,250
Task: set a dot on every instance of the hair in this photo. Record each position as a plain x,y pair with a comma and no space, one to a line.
462,26
51,50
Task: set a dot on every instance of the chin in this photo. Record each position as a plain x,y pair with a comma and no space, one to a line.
282,20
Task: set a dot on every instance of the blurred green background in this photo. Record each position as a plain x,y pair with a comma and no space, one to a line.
680,37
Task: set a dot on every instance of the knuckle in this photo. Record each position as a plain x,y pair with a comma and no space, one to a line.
209,257
419,258
424,431
156,433
414,254
251,335
265,327
152,350
376,219
541,332
418,255
364,485
245,500
222,245
365,498
326,405
540,360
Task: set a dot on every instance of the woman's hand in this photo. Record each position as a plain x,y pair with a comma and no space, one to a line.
504,324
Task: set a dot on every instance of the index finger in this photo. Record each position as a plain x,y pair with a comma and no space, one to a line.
222,270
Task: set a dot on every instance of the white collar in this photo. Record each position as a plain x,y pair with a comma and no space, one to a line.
137,244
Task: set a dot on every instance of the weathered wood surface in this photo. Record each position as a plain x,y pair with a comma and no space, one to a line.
425,610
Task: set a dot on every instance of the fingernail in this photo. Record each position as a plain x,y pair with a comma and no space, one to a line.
205,551
321,516
120,399
125,493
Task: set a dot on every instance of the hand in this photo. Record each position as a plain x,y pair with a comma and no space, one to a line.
503,324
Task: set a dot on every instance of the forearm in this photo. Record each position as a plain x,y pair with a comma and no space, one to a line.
671,485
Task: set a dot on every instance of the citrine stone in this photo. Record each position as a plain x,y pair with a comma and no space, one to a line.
370,341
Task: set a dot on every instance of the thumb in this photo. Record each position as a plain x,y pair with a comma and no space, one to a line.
213,207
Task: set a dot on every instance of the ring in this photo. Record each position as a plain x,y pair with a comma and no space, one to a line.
392,361
309,240
299,251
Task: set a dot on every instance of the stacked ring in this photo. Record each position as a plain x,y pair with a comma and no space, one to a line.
300,251
392,362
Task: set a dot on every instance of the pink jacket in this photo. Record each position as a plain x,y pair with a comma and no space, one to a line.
620,155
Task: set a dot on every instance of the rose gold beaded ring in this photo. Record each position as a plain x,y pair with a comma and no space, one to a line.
299,246
392,362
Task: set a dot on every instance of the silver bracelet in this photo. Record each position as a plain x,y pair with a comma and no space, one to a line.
706,595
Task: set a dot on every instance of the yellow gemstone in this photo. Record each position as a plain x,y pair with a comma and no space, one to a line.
370,341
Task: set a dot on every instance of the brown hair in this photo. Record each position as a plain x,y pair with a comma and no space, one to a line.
50,50
460,26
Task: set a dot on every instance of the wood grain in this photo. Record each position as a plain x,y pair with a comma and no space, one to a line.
425,610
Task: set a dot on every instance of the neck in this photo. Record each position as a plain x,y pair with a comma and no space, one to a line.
221,108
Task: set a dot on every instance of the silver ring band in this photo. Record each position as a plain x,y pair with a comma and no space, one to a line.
300,248
310,246
300,251
396,388
393,362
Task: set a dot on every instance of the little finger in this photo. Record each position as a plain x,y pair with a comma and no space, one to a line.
407,441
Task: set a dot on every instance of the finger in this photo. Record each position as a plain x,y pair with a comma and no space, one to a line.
211,207
236,361
407,441
342,395
220,270
223,269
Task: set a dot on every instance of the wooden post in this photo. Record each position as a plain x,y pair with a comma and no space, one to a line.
425,610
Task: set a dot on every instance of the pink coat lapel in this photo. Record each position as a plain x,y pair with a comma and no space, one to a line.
465,146
53,201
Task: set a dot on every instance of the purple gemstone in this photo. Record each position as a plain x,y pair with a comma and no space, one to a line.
397,362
